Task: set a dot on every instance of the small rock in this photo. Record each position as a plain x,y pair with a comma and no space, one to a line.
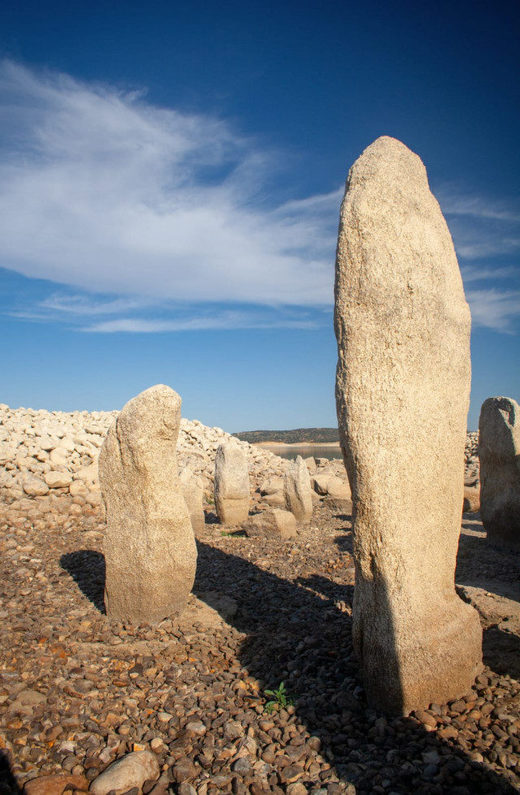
130,771
183,770
57,480
242,766
34,486
55,785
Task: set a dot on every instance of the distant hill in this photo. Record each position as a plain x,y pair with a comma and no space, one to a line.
312,435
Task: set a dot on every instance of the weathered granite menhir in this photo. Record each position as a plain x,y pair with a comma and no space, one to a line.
297,490
149,547
231,485
499,452
193,492
402,392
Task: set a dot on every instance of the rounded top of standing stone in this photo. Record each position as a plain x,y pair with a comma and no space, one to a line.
499,426
388,160
157,409
154,396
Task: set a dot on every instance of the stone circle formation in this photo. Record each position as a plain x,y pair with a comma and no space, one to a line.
184,612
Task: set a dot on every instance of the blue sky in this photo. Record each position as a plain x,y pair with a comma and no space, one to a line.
170,181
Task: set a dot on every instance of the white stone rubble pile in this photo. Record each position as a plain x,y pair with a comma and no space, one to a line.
52,452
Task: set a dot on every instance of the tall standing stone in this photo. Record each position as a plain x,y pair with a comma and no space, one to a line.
231,484
402,392
297,490
150,550
499,451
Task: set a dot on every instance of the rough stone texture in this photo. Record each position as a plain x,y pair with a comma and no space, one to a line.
332,486
149,546
297,490
130,771
311,464
499,427
471,502
193,494
273,523
402,393
231,484
272,485
55,785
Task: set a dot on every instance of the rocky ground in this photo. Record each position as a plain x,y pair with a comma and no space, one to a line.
78,692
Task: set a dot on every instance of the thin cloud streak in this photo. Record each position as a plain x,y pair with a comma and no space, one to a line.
457,203
85,305
471,274
495,309
227,322
481,227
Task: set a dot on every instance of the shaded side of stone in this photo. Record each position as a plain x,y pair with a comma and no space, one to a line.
499,452
194,495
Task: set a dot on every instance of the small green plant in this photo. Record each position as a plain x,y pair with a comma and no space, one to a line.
279,698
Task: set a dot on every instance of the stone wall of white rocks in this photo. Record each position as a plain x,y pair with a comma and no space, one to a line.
53,452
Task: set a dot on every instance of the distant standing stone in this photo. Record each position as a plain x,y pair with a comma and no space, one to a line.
297,490
231,484
150,550
193,494
499,452
402,392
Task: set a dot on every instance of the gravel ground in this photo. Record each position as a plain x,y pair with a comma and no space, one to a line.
77,692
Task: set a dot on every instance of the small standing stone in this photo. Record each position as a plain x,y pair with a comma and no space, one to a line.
150,550
297,490
499,451
402,394
193,494
231,484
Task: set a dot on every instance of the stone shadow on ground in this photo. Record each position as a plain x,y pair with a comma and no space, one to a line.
300,633
87,569
501,651
480,565
300,637
336,593
8,783
345,542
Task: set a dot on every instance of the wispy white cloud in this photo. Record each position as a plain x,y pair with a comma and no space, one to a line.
470,273
99,315
101,190
481,226
87,305
495,309
148,210
223,321
454,202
